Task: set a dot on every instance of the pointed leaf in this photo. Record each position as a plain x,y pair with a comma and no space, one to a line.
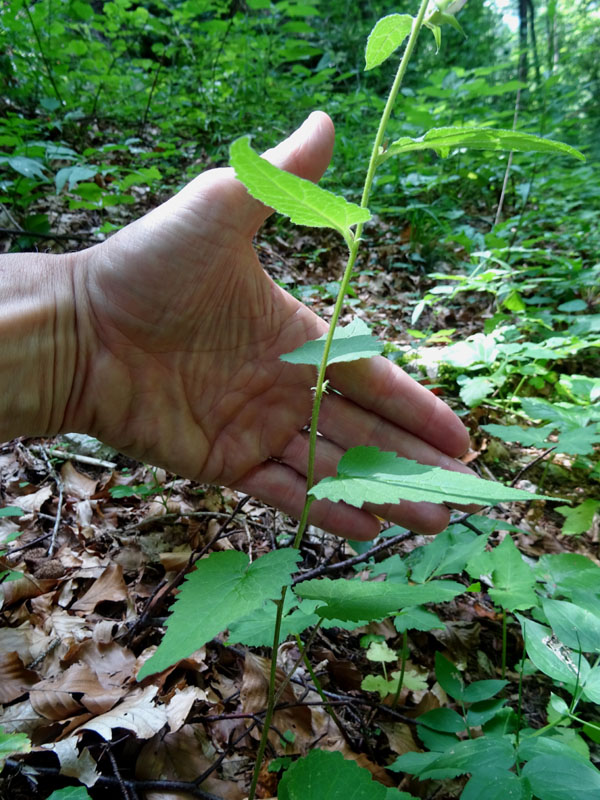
349,343
562,778
551,656
300,200
577,627
496,785
443,140
367,474
223,588
513,579
387,35
360,600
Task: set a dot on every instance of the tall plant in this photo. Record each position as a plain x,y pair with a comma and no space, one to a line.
226,586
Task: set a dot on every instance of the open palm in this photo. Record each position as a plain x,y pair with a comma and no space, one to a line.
183,330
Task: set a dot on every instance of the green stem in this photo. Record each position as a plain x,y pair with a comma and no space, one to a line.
353,246
353,243
402,668
327,705
504,626
271,699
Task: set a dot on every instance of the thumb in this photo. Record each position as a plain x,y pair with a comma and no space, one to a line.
306,153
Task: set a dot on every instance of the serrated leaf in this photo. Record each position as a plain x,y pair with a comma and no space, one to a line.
578,442
329,775
223,588
536,437
368,474
349,343
386,37
562,778
410,680
381,651
300,200
417,619
513,579
360,600
11,743
442,140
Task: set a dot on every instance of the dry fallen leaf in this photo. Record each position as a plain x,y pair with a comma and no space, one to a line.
15,680
109,586
137,713
73,763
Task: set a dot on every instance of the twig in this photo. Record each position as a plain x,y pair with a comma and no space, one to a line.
115,767
30,544
11,218
64,454
109,780
531,464
61,489
163,588
215,765
173,515
349,562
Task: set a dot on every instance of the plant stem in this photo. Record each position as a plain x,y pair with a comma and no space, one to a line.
353,243
353,246
503,644
402,668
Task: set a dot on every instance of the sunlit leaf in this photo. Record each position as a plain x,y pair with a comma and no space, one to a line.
513,579
387,35
300,200
443,140
11,743
378,683
367,474
223,588
350,343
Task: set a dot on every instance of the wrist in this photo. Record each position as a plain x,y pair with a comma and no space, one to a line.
38,343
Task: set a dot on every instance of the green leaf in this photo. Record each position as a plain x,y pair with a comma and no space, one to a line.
349,343
256,629
367,474
380,651
558,778
536,437
386,37
569,572
474,391
410,680
360,600
28,167
532,746
578,442
299,199
223,588
496,785
513,579
483,690
577,627
471,755
448,676
329,775
443,140
11,743
11,511
70,793
484,711
443,719
73,174
551,656
417,619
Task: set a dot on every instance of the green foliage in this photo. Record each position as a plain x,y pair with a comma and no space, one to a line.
237,586
322,774
350,343
369,474
299,199
11,743
70,793
386,37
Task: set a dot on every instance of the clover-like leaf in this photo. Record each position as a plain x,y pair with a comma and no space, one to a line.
443,140
349,343
386,37
300,200
223,588
367,474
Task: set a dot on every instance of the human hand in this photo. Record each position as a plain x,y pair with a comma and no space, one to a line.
180,331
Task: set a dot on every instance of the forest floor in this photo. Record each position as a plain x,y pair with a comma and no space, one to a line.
103,545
